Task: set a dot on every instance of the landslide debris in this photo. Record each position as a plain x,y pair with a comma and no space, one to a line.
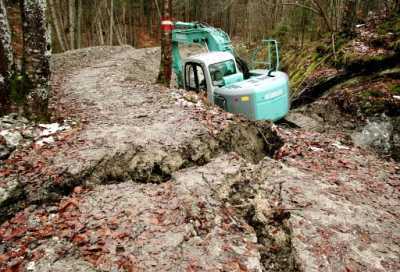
146,185
125,129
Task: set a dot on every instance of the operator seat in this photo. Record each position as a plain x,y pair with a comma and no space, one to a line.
218,78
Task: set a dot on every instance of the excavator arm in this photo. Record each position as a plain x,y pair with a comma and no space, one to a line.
196,33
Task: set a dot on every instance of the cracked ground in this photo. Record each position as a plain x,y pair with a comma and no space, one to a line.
152,179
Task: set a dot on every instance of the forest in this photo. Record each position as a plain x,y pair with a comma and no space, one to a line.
117,22
78,23
199,135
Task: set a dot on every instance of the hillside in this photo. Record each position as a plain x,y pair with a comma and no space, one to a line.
355,88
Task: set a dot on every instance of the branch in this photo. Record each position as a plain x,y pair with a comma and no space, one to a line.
297,4
323,14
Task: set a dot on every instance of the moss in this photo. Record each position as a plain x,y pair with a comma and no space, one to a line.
395,89
369,107
351,82
19,88
371,93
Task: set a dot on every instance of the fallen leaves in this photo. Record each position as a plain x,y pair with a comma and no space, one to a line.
71,202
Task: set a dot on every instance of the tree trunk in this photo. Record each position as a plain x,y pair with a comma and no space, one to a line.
36,58
71,23
78,24
6,58
56,25
111,21
165,73
349,17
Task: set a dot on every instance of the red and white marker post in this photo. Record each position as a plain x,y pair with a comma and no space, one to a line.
167,25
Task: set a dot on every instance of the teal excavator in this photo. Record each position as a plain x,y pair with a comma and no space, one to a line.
258,94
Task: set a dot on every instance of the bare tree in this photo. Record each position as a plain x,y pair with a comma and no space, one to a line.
165,73
78,25
56,24
71,23
6,57
111,21
36,58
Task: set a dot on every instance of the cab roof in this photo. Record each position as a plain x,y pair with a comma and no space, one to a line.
210,57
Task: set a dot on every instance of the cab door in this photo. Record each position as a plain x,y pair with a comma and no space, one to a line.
195,79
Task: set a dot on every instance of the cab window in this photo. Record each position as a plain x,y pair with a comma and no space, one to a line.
194,77
220,70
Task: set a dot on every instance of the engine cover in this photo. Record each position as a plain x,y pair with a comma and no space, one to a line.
262,97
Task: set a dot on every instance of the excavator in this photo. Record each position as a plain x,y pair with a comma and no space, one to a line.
228,82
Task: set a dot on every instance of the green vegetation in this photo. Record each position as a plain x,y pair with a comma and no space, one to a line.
395,89
19,88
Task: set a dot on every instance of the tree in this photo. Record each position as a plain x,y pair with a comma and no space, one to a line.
71,23
36,57
6,58
57,25
111,22
78,26
165,73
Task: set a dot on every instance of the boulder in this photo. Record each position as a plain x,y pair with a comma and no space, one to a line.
5,151
12,138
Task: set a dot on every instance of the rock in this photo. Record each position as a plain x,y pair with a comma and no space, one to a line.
4,150
396,138
52,129
28,133
11,190
46,140
13,138
10,119
304,121
376,135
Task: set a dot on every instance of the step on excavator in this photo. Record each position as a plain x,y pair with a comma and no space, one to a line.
258,94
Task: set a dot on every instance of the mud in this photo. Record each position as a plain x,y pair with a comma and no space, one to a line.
153,179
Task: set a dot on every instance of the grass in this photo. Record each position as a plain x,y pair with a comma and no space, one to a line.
395,89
